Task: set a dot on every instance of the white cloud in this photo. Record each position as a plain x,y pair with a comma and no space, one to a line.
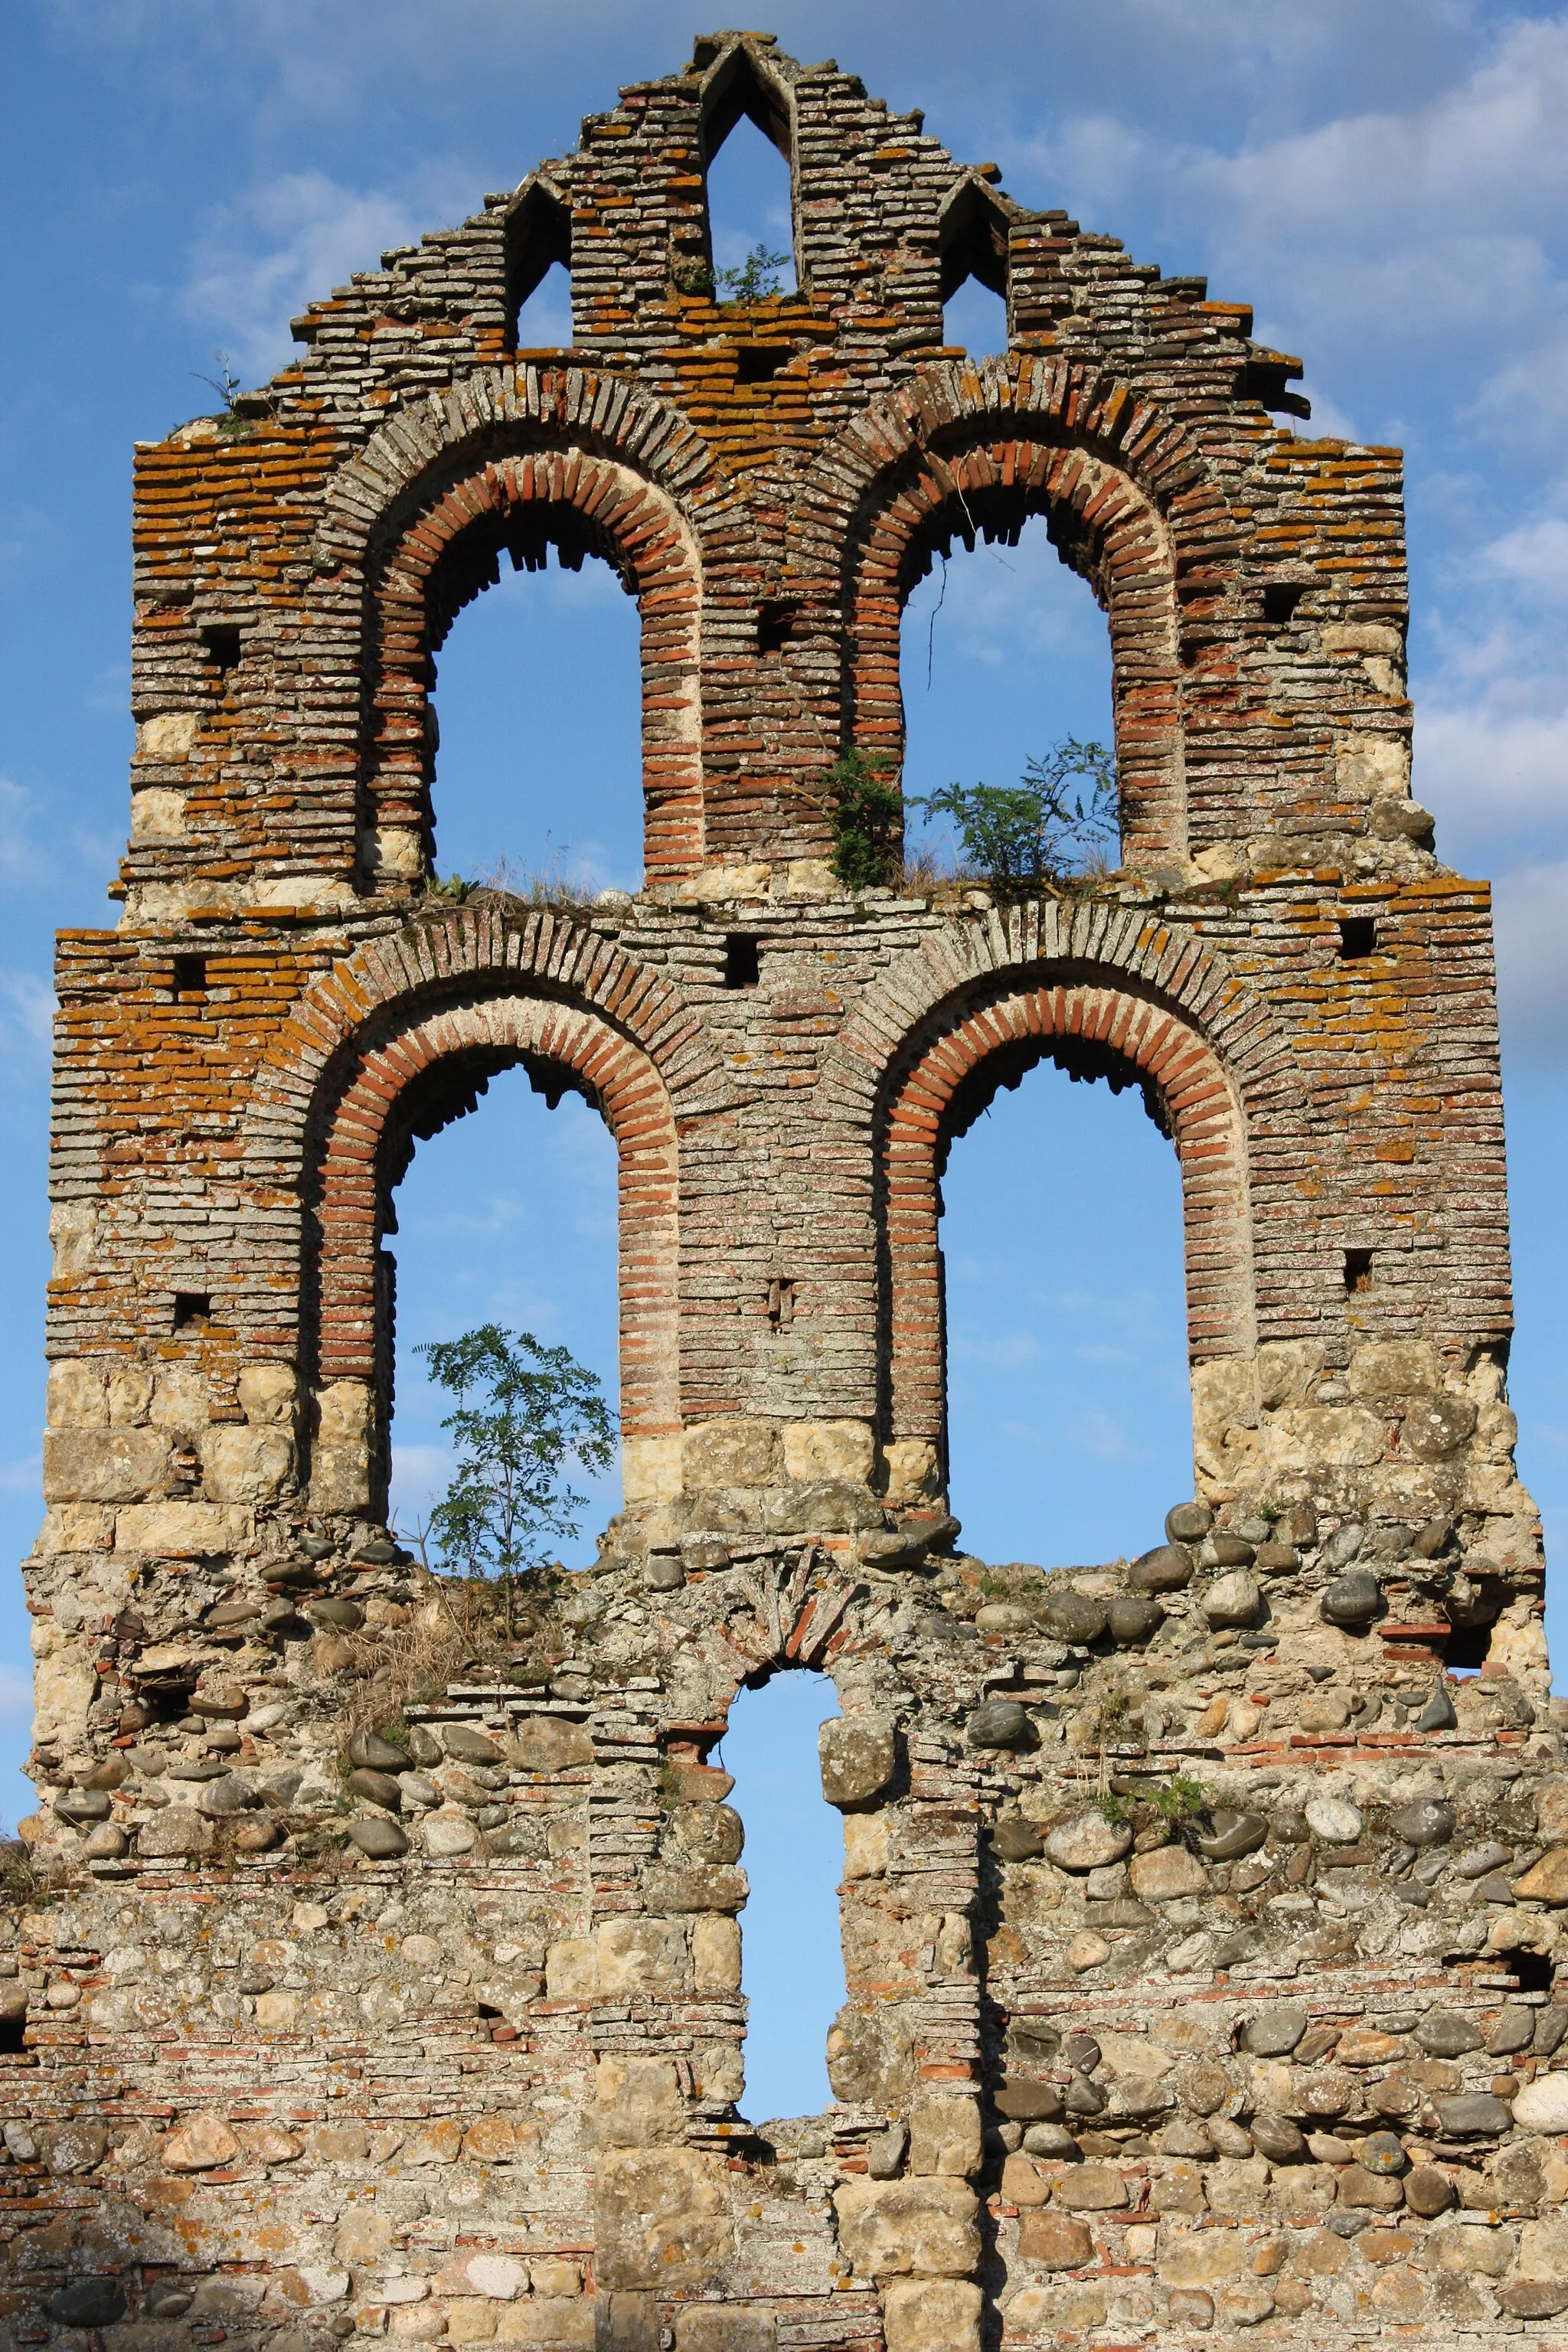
1532,961
1490,775
27,1017
259,261
1535,556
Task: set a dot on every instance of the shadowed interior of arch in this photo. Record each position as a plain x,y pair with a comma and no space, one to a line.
537,782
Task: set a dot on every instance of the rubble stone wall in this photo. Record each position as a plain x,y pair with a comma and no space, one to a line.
373,1969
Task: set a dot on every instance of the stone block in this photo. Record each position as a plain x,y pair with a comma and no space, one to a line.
735,1452
638,2102
181,1530
1064,2307
716,1954
199,2143
652,1468
571,1968
268,1395
75,1528
1093,2189
1199,2258
640,1954
77,1393
246,1465
815,1451
104,1466
889,2229
867,1844
927,2316
340,1456
1054,2242
945,2137
696,1887
177,1830
913,1469
858,1755
1167,1874
548,1743
662,2218
552,2323
724,2327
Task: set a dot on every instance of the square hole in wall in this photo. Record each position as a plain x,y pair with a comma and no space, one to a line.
192,1311
1358,1272
1280,599
742,969
760,362
1358,938
188,975
220,643
773,629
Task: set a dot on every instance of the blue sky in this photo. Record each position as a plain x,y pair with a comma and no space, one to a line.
1386,186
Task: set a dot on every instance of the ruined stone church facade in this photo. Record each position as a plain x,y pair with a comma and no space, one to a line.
336,2004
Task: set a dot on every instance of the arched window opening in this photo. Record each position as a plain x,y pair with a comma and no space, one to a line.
1070,1404
1003,654
538,264
538,763
511,1218
792,1958
545,319
975,319
751,216
973,245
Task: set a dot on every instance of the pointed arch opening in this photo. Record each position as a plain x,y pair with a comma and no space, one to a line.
748,143
972,244
538,268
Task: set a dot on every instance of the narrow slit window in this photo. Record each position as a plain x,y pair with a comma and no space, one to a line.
221,645
1358,1272
750,208
1358,938
774,625
189,975
743,967
1279,601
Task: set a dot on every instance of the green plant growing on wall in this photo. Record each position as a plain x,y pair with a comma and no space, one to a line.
1057,824
756,279
524,1412
867,813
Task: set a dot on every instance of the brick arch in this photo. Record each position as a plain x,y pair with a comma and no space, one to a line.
489,951
368,1140
1170,1012
1096,1029
960,451
509,463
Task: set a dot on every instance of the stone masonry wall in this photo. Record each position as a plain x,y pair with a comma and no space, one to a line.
371,1968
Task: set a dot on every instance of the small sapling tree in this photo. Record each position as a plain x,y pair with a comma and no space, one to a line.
1058,821
524,1413
865,812
756,279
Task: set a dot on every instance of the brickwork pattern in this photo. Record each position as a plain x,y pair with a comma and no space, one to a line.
370,1972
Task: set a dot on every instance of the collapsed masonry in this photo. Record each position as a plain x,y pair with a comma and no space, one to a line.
355,2004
